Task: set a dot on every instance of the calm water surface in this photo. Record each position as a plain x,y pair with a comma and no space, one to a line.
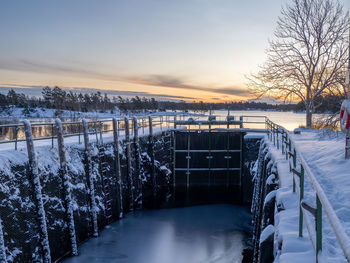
290,120
199,234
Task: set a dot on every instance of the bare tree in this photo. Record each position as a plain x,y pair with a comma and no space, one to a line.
308,54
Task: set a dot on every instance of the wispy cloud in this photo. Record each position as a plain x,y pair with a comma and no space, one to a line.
150,80
176,82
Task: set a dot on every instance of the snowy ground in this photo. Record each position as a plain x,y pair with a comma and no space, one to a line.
18,113
323,150
14,113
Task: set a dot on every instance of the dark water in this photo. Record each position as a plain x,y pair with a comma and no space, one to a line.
200,234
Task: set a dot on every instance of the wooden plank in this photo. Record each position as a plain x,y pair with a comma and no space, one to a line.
137,167
90,179
34,172
151,155
117,165
66,187
128,162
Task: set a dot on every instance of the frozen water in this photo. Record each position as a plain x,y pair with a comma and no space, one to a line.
210,233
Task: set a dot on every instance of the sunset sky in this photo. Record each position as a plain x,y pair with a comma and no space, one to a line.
183,49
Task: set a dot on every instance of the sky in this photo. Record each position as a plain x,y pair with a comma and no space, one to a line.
183,49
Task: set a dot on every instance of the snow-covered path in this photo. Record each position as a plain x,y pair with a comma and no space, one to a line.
324,153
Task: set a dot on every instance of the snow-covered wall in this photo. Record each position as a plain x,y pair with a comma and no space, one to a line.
152,187
263,205
18,209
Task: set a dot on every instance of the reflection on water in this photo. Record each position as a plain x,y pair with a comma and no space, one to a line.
200,234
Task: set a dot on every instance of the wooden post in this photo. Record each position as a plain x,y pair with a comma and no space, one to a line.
128,162
3,257
137,168
33,170
117,165
66,187
89,178
151,155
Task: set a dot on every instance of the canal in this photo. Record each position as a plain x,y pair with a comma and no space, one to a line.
198,234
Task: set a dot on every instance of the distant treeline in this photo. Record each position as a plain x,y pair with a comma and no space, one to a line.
59,99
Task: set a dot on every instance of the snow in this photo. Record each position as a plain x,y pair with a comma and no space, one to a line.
37,190
323,150
40,113
269,196
90,179
326,171
254,135
67,187
268,231
17,113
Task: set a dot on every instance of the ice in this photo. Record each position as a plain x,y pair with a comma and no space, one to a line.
212,233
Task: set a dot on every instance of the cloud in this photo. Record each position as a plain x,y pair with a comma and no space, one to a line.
175,82
150,80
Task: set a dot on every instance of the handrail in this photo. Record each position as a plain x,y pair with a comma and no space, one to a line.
99,127
322,202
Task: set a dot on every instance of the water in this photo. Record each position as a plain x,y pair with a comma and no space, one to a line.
288,119
199,234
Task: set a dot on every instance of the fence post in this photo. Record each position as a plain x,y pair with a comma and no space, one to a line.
300,199
66,187
294,166
79,131
52,135
137,161
117,164
96,133
318,226
151,154
241,120
16,136
33,169
175,122
128,162
101,127
89,178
